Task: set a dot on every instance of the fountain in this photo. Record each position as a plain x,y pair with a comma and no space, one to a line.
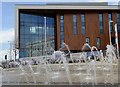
110,53
66,68
60,56
69,53
55,68
89,64
101,56
1,76
29,66
112,58
22,72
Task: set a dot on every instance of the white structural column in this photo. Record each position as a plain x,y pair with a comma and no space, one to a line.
116,40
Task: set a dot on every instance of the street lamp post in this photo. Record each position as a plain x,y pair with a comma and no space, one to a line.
10,50
116,39
45,34
110,32
14,53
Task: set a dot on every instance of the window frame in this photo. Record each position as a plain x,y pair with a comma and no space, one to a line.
83,23
75,31
87,40
101,23
98,42
62,32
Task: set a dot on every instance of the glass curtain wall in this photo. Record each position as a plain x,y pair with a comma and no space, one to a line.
32,35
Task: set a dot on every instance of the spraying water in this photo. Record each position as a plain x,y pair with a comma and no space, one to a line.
69,53
55,71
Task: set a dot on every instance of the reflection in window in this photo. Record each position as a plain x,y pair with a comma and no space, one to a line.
118,17
98,42
88,40
62,36
83,23
32,34
101,23
110,19
32,29
75,24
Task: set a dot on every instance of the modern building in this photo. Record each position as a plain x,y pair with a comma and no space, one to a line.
74,24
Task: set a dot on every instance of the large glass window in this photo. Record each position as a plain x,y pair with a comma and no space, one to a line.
118,17
110,19
75,24
32,34
98,42
83,23
113,40
101,23
62,36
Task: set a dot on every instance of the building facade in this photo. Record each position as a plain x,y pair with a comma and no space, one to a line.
74,24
